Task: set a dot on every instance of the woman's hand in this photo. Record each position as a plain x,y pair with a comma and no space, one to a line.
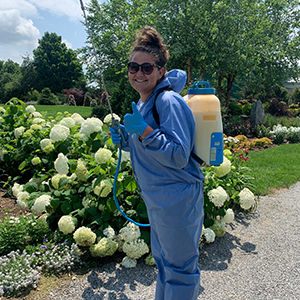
135,123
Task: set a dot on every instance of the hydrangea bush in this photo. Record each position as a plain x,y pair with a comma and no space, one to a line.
63,169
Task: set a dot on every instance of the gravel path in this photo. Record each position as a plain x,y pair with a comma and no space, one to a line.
258,258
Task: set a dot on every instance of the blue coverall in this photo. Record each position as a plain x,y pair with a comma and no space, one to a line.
170,182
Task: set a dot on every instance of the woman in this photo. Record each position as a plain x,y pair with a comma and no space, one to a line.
169,179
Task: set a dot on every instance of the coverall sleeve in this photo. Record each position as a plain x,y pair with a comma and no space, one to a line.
172,143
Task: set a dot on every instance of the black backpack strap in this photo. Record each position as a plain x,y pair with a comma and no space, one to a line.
156,118
155,113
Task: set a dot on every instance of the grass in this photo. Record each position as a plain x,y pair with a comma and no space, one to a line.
52,110
275,167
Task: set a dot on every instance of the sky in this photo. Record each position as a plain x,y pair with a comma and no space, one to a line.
24,22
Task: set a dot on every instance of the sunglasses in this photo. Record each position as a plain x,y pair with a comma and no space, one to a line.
146,68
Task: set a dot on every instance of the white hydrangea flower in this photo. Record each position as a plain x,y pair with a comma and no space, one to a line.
30,109
227,152
247,198
61,164
59,133
224,168
84,236
38,120
135,249
36,114
19,131
128,262
130,232
81,170
45,142
22,204
105,247
101,189
91,125
219,227
55,180
107,119
125,156
23,196
102,156
87,201
68,122
16,189
217,196
66,224
40,204
77,118
209,235
36,127
2,152
229,216
2,110
109,232
36,160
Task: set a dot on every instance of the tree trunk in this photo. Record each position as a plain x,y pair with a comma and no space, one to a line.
230,80
189,71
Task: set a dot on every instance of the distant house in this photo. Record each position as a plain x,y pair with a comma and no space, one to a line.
291,84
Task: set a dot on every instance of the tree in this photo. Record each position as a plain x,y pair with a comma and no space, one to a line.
57,67
223,40
10,80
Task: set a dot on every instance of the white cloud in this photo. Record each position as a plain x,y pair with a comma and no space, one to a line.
16,30
69,8
26,8
68,44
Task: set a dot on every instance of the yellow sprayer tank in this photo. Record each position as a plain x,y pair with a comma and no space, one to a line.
206,110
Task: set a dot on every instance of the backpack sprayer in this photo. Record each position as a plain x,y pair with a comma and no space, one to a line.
114,123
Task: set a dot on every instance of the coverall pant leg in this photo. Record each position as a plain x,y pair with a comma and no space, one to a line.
175,250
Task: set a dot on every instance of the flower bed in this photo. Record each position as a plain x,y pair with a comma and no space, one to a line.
63,168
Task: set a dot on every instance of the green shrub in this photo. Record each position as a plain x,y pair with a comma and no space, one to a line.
100,111
295,96
47,98
235,109
246,109
17,233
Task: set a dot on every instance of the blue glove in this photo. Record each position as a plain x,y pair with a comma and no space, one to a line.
134,123
116,137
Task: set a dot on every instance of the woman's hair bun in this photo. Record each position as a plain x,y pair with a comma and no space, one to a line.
149,40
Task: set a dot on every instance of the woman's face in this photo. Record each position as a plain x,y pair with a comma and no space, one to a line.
142,83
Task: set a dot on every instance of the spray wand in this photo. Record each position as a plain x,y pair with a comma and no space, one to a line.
114,122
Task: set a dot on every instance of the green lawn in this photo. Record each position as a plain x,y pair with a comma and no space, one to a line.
275,167
51,110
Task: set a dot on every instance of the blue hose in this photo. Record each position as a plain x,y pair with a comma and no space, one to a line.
115,194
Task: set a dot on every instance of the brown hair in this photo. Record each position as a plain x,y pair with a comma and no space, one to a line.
150,41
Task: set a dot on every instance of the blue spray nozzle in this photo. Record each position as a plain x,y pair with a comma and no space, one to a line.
207,90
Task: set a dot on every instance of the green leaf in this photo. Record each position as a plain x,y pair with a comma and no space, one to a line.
208,222
55,203
63,181
96,145
98,180
83,213
66,208
92,210
106,216
111,205
142,210
130,200
23,165
145,236
130,184
77,205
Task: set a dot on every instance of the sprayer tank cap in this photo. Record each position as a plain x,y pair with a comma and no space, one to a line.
195,90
